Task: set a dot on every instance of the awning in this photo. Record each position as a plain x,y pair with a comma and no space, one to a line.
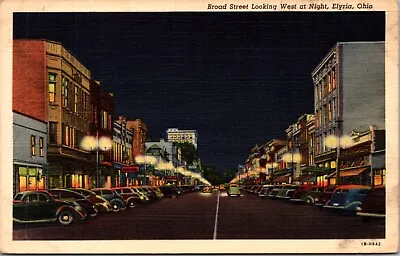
306,178
283,178
347,173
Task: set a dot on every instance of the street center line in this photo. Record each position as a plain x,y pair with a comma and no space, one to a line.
216,218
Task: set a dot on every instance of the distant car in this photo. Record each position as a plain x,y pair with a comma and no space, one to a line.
207,190
347,198
373,205
286,191
72,196
130,197
116,201
40,206
169,191
265,191
102,204
233,190
274,191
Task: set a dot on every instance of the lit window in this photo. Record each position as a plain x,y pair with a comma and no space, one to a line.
41,146
52,87
76,99
66,135
333,80
329,112
33,145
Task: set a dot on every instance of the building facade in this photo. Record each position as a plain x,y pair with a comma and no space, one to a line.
181,136
58,86
140,133
29,154
349,94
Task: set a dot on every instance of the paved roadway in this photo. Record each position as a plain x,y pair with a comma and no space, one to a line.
210,216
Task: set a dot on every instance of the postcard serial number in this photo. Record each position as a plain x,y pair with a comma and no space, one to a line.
371,243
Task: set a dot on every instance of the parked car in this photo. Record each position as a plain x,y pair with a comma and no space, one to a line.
347,197
265,191
116,201
158,192
233,190
40,206
282,193
131,198
71,196
306,194
169,191
320,198
274,191
141,194
373,205
102,204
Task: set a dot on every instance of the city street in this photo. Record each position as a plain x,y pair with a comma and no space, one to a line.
210,216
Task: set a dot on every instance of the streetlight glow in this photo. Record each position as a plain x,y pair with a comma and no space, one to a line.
105,143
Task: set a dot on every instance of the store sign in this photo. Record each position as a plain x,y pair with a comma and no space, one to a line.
130,169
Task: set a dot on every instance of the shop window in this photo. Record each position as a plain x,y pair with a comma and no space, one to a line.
33,145
41,146
52,87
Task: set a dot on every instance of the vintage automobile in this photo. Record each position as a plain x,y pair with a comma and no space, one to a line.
169,191
72,196
347,198
40,206
306,194
207,190
319,198
282,193
373,205
116,201
102,204
265,191
274,191
131,198
233,190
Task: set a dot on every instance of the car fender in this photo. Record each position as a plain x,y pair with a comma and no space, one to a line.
353,204
120,202
66,207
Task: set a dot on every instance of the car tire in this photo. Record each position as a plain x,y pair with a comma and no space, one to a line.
309,201
131,204
65,217
173,196
115,207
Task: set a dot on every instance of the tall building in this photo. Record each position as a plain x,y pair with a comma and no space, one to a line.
139,139
181,136
349,94
51,85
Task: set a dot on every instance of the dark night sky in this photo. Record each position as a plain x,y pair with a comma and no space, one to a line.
238,78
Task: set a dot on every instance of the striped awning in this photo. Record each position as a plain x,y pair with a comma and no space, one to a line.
348,173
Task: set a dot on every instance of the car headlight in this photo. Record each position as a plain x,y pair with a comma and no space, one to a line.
142,198
358,209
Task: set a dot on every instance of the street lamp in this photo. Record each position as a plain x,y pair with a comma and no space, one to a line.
271,172
146,160
292,158
338,142
90,143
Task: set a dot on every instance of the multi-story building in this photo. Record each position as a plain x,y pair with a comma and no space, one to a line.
30,152
140,132
349,93
102,127
49,80
181,136
123,170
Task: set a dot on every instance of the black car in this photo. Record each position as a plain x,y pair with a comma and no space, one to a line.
68,195
169,191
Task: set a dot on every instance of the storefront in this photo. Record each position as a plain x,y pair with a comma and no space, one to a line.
29,177
129,175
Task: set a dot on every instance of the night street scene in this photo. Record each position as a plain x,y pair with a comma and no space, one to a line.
199,125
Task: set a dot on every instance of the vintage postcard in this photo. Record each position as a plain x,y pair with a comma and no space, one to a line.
199,127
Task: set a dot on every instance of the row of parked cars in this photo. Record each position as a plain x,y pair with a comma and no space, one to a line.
365,201
66,205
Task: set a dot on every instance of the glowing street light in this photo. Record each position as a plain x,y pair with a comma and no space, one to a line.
91,143
292,158
146,160
338,142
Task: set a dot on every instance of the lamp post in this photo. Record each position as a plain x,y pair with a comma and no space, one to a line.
146,160
90,143
292,158
338,142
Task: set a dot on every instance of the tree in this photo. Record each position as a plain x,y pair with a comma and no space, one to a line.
189,152
228,174
210,174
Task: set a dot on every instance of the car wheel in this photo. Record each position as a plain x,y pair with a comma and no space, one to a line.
132,204
65,218
173,196
115,207
309,201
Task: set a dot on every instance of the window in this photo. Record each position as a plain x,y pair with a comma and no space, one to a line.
64,92
329,112
33,145
333,80
104,120
333,109
328,78
76,99
52,87
41,146
52,133
43,198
